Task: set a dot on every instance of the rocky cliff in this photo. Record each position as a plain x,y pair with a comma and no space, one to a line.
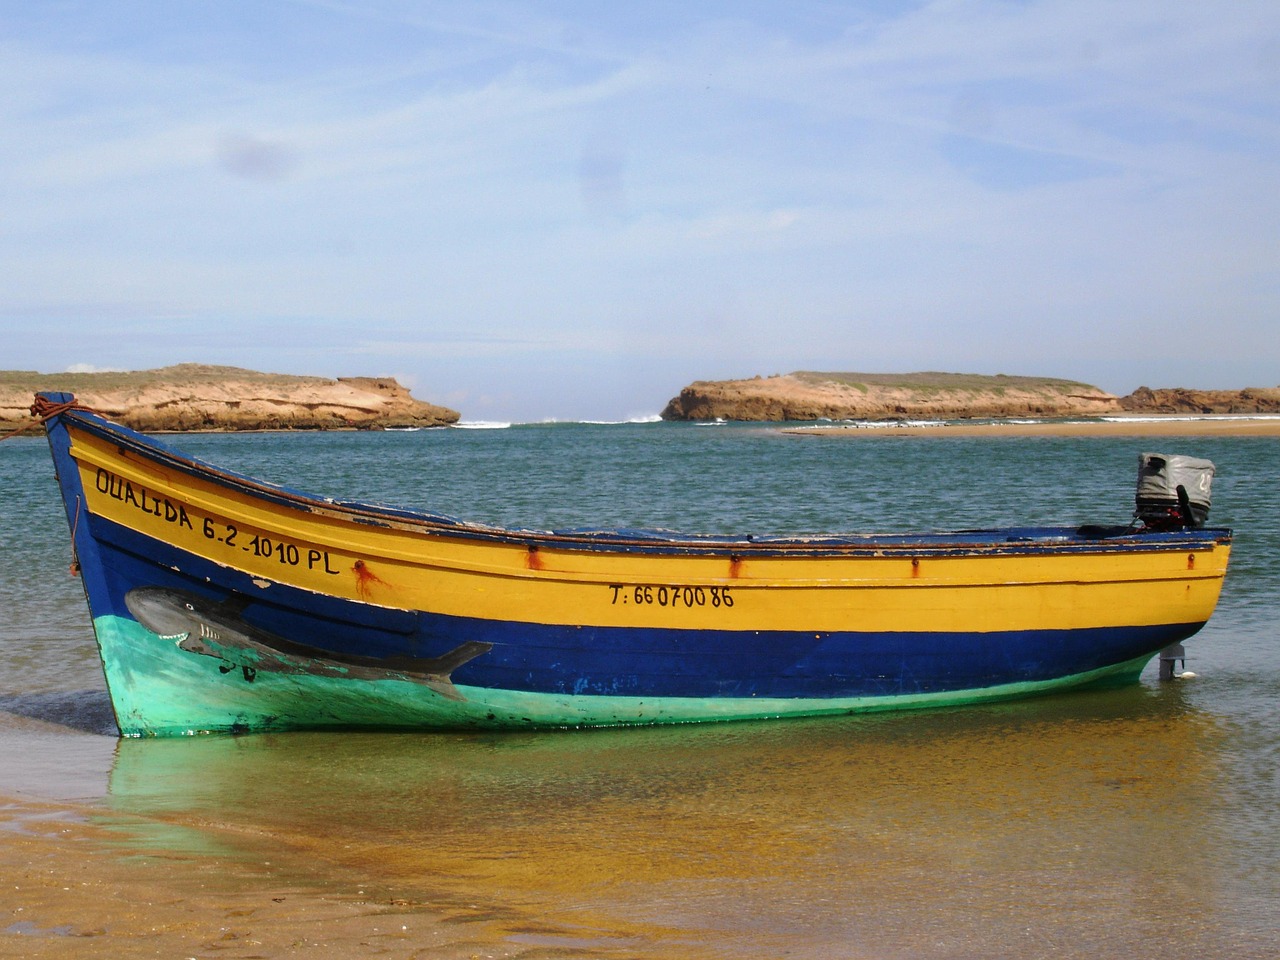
1178,400
942,396
198,397
861,396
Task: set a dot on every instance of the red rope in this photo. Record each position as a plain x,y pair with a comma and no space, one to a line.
22,429
74,569
43,410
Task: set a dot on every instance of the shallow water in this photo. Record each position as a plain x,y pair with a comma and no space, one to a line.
1140,821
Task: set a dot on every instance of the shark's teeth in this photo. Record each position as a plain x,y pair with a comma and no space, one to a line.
175,637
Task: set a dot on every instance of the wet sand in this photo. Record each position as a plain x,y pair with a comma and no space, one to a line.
1134,427
1023,830
76,887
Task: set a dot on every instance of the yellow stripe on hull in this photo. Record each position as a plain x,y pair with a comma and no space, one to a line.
411,564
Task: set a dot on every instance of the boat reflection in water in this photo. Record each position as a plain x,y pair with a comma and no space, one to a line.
1077,826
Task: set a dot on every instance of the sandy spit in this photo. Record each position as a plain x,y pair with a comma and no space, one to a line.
1120,427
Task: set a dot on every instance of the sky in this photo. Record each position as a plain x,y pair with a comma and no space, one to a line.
571,210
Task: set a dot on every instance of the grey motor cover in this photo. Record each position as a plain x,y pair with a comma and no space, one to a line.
1159,477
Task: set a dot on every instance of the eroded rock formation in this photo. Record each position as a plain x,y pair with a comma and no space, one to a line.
193,396
854,396
1179,400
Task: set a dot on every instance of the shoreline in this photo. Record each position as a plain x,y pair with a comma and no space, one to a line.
1144,426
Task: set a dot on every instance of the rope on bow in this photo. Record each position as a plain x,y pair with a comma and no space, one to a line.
43,410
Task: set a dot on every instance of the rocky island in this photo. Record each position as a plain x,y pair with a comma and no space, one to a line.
192,396
200,397
941,396
1178,400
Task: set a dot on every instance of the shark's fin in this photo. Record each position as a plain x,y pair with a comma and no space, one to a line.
437,674
448,662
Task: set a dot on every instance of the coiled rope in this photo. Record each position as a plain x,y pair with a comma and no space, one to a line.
43,410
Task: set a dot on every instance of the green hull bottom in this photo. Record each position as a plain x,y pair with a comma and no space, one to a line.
158,690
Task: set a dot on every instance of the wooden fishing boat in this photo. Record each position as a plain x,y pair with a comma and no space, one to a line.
223,603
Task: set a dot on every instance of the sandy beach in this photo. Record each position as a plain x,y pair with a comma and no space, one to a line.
78,885
1208,426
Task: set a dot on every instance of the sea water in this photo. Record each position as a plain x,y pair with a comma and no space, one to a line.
1141,821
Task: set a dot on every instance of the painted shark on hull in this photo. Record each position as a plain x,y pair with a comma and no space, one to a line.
201,626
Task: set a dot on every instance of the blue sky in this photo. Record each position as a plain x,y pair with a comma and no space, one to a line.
571,210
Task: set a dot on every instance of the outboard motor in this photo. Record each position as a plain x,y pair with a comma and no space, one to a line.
1173,492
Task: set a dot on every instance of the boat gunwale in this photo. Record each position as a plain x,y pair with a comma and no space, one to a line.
968,542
